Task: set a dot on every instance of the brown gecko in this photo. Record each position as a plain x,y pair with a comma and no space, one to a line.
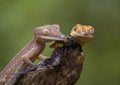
30,52
81,34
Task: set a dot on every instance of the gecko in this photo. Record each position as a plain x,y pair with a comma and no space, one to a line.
31,52
82,33
67,60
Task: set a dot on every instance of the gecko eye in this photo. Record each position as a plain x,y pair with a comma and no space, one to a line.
92,31
45,31
75,29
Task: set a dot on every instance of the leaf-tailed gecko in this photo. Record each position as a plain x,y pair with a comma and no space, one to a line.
30,52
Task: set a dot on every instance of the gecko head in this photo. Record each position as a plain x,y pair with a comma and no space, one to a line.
82,33
48,33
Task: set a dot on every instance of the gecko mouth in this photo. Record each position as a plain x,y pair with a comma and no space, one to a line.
73,34
61,38
81,38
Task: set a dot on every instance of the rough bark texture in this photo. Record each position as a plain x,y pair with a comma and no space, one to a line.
62,68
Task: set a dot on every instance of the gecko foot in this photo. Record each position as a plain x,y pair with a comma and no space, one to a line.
42,57
27,61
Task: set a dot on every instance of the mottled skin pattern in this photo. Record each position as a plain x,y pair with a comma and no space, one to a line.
32,50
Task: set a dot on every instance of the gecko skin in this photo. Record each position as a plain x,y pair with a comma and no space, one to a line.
30,52
82,34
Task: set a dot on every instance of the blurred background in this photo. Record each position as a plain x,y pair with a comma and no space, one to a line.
18,18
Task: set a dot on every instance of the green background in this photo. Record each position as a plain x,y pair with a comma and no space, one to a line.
18,18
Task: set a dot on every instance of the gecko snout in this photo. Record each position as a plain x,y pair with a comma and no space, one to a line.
62,36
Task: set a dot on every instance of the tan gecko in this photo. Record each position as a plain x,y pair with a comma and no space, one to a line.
82,33
30,52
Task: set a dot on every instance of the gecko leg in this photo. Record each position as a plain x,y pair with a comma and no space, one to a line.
26,57
42,57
